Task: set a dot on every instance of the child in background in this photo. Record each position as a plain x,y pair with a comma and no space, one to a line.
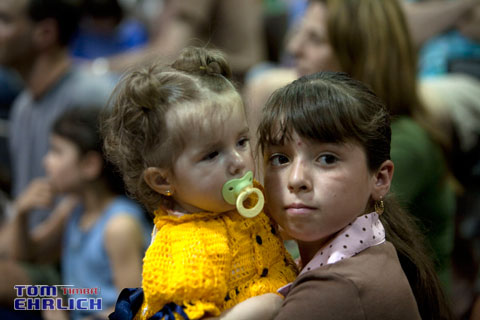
99,234
326,143
179,136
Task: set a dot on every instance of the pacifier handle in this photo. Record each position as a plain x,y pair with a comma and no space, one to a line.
236,191
252,212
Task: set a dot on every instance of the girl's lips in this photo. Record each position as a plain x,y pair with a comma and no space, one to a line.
299,209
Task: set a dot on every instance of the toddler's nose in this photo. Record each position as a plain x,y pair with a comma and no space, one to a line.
237,164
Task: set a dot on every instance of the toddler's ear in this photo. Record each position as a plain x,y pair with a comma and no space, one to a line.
382,180
157,179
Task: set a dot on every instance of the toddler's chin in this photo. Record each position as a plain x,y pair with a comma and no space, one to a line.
222,208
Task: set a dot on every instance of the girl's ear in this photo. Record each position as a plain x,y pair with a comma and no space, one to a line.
92,164
159,180
382,180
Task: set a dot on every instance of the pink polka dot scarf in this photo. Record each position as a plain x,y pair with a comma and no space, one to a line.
364,232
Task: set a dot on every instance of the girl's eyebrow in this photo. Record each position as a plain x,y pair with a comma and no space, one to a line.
209,145
275,144
206,148
213,144
245,130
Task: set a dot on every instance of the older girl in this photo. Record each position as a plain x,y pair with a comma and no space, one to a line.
326,145
369,40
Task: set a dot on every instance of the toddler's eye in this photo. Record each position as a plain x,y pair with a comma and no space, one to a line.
278,159
327,159
210,156
243,142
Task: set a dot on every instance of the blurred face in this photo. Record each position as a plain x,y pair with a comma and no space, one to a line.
315,189
15,33
310,45
63,165
210,159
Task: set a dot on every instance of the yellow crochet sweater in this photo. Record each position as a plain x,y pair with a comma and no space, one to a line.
208,262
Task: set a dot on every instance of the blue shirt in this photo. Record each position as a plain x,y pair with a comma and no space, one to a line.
85,263
89,44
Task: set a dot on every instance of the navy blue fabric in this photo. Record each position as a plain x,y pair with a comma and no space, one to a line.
128,303
130,300
168,312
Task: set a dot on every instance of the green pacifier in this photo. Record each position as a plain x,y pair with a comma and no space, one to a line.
236,191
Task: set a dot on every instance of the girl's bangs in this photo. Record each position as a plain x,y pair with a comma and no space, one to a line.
310,113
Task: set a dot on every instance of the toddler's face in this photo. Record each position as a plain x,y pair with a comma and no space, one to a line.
210,159
315,189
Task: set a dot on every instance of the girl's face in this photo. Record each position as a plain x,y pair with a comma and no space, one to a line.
210,159
310,45
63,165
315,189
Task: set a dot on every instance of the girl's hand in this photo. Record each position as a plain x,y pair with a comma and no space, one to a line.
39,194
263,307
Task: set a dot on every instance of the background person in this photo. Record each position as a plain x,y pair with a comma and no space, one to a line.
34,37
98,235
235,27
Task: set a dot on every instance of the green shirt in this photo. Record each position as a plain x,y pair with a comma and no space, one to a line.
420,184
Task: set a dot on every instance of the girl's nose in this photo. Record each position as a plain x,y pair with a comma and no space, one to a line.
237,164
45,160
299,180
295,43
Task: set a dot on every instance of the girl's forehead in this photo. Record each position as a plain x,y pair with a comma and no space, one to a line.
61,140
292,137
205,118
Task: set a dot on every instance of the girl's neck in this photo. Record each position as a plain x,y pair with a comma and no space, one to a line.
95,199
46,72
309,249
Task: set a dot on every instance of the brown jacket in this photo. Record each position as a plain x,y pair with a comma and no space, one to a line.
370,285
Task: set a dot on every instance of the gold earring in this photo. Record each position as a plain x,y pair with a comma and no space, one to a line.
379,207
168,193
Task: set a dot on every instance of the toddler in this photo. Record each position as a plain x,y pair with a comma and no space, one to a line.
180,137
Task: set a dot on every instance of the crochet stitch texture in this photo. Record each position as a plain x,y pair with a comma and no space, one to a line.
208,262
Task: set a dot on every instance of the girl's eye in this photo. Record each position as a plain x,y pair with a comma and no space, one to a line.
327,159
278,159
210,156
55,149
316,38
243,142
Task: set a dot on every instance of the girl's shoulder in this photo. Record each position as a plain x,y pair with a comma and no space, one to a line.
370,282
123,204
374,271
126,213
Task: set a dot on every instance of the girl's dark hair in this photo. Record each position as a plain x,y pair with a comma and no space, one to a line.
103,9
137,132
332,107
65,12
79,125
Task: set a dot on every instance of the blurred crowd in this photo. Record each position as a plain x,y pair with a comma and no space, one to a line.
60,60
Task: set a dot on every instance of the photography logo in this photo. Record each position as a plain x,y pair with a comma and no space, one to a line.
33,297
